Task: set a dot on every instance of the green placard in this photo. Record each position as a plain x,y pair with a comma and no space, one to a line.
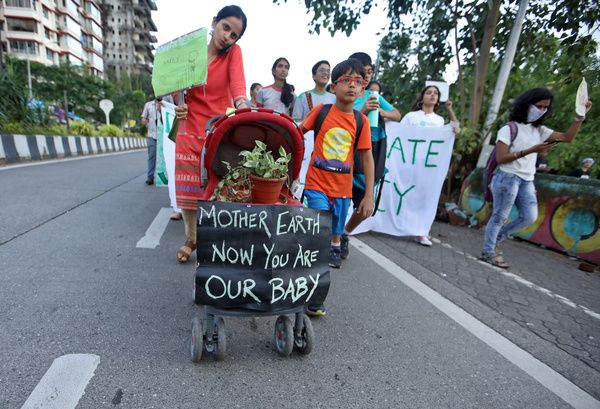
180,64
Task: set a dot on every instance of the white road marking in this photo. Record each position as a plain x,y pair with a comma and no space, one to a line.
64,383
53,161
541,372
152,238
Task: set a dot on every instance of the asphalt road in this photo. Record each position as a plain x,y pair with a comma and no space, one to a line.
406,327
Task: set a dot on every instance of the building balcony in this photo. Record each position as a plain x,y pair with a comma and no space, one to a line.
21,12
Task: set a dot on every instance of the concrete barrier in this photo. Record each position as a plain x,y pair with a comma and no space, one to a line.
568,213
28,148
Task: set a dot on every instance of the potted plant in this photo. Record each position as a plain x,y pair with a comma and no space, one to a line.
266,172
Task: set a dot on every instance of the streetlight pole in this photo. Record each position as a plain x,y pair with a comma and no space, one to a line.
28,71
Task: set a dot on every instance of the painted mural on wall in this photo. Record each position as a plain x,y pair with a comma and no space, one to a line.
568,213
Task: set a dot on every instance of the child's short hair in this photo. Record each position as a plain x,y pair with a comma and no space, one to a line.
364,58
316,66
352,65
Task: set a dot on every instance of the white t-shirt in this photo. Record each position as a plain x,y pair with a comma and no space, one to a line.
420,118
301,108
527,136
270,97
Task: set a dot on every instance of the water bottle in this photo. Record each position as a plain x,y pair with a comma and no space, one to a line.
373,115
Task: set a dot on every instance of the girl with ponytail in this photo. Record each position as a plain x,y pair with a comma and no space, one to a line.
280,95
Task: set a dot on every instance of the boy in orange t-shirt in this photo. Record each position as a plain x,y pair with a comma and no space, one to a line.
328,184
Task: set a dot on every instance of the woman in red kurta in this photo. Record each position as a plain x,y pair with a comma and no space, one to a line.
225,87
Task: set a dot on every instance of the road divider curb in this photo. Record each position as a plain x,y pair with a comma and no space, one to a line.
30,148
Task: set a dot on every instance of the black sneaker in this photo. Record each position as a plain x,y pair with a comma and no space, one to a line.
344,247
315,309
335,258
150,182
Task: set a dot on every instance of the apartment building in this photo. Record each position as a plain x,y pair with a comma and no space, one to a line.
128,41
50,31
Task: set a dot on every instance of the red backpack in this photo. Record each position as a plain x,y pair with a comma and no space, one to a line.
492,164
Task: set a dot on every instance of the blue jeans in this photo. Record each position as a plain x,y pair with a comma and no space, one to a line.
151,158
508,190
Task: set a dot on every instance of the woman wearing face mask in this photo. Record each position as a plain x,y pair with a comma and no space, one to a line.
278,96
225,83
513,182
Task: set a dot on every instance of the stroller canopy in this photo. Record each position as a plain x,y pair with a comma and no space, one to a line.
230,135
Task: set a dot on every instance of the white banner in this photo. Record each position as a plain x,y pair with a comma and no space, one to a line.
418,159
168,116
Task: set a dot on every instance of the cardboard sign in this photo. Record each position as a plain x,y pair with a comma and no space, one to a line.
444,88
263,258
180,64
582,98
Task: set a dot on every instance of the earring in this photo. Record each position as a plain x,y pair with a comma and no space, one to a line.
419,105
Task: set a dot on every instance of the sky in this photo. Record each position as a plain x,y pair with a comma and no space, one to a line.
273,31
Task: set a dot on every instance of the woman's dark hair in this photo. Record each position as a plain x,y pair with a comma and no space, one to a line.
418,104
316,66
351,64
254,85
287,96
233,11
364,58
520,107
377,83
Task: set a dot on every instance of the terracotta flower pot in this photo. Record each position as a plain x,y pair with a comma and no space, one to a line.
265,191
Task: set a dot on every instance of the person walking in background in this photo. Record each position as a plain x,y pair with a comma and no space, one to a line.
278,96
254,88
321,72
424,112
150,117
584,171
328,184
516,156
366,102
225,83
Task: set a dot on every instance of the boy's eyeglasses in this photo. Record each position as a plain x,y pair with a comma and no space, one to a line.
348,80
324,71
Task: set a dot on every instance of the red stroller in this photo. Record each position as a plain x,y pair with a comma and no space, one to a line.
252,259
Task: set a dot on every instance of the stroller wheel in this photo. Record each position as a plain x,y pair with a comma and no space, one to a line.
219,338
306,337
284,336
197,341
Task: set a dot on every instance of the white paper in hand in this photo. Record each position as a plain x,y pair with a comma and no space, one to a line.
582,98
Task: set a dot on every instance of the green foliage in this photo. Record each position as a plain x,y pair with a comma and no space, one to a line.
82,128
110,130
56,129
235,185
262,163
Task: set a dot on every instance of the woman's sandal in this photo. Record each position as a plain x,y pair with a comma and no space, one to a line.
495,259
184,253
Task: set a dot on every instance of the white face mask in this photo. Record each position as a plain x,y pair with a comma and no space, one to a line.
535,113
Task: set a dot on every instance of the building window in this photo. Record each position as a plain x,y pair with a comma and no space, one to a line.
49,55
21,24
47,33
45,12
21,3
24,47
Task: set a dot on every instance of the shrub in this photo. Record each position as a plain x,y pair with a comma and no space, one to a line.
82,128
110,130
56,129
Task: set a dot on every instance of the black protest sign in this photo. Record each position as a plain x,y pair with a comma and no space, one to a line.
263,257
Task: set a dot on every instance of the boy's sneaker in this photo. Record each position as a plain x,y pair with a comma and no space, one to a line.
422,240
316,309
344,247
335,258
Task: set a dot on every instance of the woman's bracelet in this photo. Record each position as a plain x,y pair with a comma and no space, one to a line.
577,119
239,102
